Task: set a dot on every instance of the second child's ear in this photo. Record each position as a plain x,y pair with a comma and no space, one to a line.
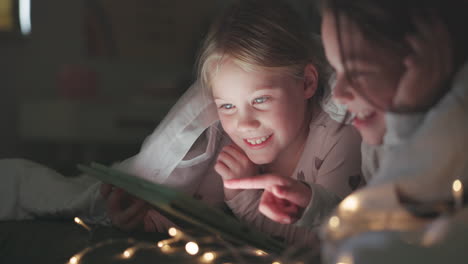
310,80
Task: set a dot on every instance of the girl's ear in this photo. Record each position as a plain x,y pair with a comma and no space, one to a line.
310,80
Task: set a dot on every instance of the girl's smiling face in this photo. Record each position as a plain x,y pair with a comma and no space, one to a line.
264,112
374,71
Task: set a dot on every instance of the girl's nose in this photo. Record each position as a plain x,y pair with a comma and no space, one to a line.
342,91
247,122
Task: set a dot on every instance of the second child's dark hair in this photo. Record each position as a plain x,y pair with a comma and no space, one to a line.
388,22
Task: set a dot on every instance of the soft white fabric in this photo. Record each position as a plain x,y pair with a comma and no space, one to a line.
334,109
163,150
371,156
30,190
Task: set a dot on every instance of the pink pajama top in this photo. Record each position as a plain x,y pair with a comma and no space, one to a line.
330,164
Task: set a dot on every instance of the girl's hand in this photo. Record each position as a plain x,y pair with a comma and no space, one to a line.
125,212
283,199
428,67
233,163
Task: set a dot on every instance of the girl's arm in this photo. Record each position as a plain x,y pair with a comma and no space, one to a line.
233,164
245,206
285,199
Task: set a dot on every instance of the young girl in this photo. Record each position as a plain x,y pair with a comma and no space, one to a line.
268,79
408,61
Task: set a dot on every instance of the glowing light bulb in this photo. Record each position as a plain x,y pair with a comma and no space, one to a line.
81,223
173,231
276,262
457,185
128,253
259,252
73,260
166,248
191,248
334,222
209,256
350,204
457,192
160,244
345,259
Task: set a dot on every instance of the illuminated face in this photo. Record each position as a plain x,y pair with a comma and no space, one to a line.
263,112
375,72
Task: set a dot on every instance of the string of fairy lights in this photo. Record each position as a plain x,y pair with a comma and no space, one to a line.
338,226
204,249
215,250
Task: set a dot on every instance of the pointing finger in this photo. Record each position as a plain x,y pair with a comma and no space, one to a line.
266,181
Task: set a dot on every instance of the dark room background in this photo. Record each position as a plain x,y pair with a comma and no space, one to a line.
94,77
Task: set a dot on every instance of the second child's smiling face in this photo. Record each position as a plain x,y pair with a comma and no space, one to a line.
376,71
263,112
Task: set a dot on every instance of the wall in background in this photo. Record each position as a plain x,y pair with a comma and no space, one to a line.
10,57
31,69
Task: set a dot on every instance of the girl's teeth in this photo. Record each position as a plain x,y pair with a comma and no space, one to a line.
363,115
257,141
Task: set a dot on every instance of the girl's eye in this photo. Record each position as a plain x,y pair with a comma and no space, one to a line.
227,106
260,100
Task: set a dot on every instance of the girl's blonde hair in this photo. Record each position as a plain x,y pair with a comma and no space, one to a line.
262,34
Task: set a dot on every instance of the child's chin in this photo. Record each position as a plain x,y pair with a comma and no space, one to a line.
259,160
